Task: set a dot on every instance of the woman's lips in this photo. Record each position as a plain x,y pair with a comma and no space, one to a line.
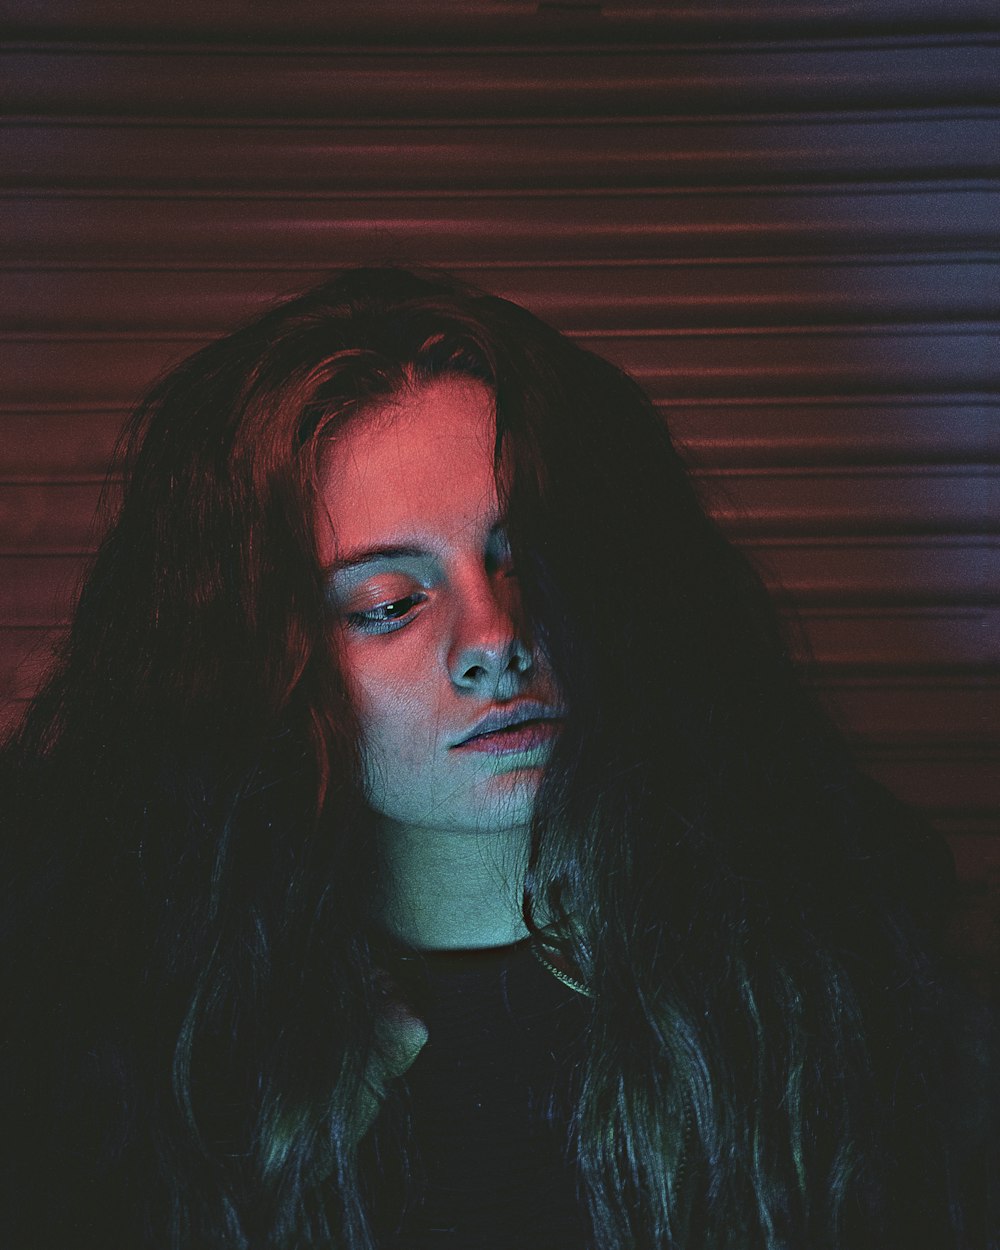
524,736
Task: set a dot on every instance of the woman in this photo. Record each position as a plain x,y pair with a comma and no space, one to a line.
425,841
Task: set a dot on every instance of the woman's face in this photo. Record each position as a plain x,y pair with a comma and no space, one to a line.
422,589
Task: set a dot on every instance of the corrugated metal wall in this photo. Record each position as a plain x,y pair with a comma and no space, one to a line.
782,217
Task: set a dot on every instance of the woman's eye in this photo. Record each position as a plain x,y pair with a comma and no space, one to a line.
386,617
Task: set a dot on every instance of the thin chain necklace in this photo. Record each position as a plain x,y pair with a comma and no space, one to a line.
558,973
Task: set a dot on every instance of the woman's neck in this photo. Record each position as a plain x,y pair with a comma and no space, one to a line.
452,890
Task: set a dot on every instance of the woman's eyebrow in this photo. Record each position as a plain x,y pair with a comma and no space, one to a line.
370,554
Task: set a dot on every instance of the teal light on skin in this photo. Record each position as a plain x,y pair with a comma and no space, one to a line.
423,592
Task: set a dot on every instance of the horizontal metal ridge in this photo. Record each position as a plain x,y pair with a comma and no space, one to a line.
570,84
904,329
593,266
239,230
517,21
711,291
492,155
448,18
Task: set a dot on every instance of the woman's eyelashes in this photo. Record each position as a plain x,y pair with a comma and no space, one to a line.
386,617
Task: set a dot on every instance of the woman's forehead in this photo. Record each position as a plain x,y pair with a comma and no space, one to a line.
420,463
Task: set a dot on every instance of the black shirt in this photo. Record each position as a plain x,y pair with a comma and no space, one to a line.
488,1099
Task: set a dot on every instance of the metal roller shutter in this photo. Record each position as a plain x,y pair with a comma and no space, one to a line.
782,216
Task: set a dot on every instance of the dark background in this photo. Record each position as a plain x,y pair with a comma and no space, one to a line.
782,217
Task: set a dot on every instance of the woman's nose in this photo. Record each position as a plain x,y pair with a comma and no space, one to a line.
490,649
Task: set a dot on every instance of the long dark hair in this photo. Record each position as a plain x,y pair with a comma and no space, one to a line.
769,1060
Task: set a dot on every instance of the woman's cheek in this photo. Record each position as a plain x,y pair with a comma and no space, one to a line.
394,713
